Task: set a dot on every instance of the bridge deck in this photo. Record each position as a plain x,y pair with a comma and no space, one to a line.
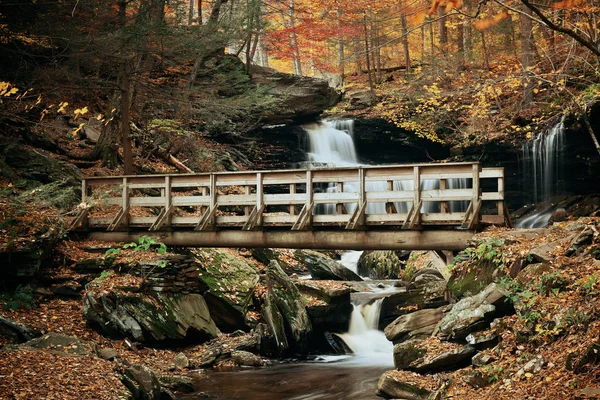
359,206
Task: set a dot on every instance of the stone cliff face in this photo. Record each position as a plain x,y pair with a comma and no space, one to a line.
298,97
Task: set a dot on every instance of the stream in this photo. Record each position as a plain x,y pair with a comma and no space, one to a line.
349,379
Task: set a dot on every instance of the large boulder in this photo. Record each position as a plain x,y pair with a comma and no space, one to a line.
382,264
323,267
476,268
147,317
329,309
60,343
403,385
231,282
418,324
298,97
471,313
427,295
142,383
406,353
285,313
452,359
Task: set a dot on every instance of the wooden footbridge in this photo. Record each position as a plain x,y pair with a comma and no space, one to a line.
413,207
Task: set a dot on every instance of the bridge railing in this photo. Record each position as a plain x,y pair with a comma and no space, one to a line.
407,196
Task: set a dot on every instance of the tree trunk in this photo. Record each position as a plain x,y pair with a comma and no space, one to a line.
486,59
199,8
341,58
423,40
191,12
467,31
405,48
371,87
125,88
443,31
526,55
294,41
358,58
460,44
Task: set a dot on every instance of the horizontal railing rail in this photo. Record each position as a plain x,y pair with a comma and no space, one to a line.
363,197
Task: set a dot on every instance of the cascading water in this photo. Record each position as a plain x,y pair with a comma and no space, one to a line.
368,343
542,161
331,144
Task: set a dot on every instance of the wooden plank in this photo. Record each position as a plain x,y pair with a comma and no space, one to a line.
340,239
293,188
254,218
358,217
207,221
304,219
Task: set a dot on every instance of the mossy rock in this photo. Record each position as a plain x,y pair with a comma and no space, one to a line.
381,264
285,312
231,283
152,317
476,268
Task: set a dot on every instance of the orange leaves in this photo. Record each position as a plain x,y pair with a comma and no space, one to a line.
566,4
447,4
489,22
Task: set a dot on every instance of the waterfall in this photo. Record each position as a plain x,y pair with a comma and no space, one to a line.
364,339
331,144
542,168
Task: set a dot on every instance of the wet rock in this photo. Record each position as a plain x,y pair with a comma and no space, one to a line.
391,387
430,295
108,354
150,317
285,313
181,361
328,308
247,359
17,331
142,383
407,352
418,324
219,350
559,215
323,267
177,383
470,313
449,360
230,283
382,264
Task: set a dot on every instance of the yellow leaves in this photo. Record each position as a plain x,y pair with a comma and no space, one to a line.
79,112
7,90
489,22
62,108
78,129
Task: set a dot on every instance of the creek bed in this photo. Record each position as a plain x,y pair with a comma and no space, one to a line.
351,378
